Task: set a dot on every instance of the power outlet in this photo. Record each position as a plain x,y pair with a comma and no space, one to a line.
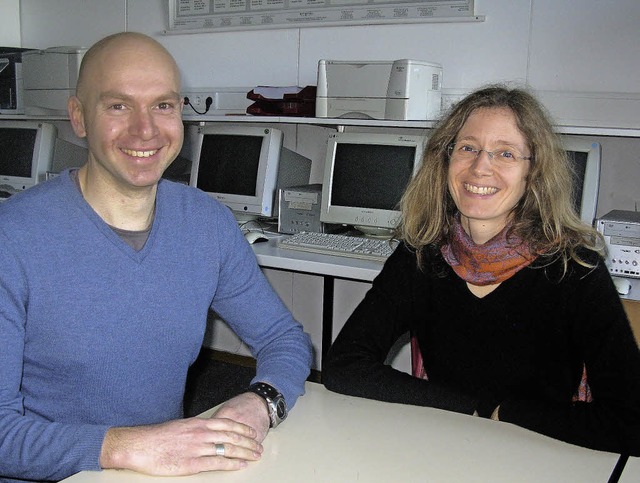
198,99
223,101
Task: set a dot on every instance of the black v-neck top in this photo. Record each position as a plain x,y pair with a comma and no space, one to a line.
523,347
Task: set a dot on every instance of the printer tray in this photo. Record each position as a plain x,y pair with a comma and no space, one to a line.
302,103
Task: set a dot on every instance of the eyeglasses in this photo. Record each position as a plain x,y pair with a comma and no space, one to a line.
467,152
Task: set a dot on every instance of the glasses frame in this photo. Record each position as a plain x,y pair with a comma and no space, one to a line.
491,154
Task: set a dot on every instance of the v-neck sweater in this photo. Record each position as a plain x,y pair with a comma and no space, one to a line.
522,347
95,334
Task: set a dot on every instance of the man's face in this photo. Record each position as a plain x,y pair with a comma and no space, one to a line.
130,111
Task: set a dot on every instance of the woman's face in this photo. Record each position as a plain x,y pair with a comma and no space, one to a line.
487,185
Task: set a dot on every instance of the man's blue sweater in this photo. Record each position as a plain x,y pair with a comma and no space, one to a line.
94,334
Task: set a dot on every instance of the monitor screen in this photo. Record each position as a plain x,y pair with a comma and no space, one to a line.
584,155
26,153
365,177
18,145
368,167
233,154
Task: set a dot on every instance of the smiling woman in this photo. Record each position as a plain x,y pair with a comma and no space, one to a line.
486,183
501,286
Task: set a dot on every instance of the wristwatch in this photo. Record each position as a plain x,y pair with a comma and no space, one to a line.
276,405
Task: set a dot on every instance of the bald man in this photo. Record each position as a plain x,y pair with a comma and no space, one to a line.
107,274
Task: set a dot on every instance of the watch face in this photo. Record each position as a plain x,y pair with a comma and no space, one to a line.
281,408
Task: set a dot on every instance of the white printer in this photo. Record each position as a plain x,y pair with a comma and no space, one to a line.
49,77
401,89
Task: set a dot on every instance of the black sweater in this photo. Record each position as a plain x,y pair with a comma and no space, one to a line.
523,347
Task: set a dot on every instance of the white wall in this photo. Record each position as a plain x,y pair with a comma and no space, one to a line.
589,48
10,27
576,45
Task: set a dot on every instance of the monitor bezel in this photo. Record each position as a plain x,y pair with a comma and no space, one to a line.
42,157
591,181
262,203
365,219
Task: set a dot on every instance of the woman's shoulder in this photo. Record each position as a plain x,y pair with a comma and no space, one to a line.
422,262
583,264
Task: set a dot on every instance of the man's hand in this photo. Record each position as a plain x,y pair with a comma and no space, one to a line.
181,447
247,408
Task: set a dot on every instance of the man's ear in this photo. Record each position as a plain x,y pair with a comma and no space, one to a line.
76,116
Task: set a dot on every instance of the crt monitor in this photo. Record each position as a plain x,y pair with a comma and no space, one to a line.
584,155
243,167
26,153
364,178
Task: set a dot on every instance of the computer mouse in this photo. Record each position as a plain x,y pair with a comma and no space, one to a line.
623,285
255,237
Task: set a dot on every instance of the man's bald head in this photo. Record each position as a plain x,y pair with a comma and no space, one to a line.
109,50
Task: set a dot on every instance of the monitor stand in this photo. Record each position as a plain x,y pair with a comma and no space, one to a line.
375,232
247,221
242,217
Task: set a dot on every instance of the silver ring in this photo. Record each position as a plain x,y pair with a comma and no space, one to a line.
219,449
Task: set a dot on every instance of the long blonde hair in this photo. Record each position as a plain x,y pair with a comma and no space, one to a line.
544,216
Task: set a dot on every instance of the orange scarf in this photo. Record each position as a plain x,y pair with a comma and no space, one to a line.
490,263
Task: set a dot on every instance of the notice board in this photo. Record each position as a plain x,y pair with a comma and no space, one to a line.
214,15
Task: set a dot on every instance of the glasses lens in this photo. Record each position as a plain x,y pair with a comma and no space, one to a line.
464,151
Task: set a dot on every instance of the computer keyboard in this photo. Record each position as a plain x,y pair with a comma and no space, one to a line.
341,245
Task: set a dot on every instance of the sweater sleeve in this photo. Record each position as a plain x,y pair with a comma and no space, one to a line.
31,447
248,303
355,364
603,339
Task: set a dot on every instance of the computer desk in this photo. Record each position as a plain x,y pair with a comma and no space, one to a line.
332,438
270,256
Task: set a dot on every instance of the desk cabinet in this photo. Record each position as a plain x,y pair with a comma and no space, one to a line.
632,308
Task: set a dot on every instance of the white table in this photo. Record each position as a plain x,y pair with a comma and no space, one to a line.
331,438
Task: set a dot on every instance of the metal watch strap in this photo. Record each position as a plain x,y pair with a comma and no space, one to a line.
275,402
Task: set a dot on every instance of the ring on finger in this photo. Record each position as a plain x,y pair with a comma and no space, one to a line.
219,449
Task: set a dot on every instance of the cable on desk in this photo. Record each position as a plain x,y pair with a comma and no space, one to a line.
208,101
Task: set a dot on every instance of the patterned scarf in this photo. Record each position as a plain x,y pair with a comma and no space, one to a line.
490,263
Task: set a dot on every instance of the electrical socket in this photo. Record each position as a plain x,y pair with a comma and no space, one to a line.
224,100
198,99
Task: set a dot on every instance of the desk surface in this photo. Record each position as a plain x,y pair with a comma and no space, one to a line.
334,438
631,473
